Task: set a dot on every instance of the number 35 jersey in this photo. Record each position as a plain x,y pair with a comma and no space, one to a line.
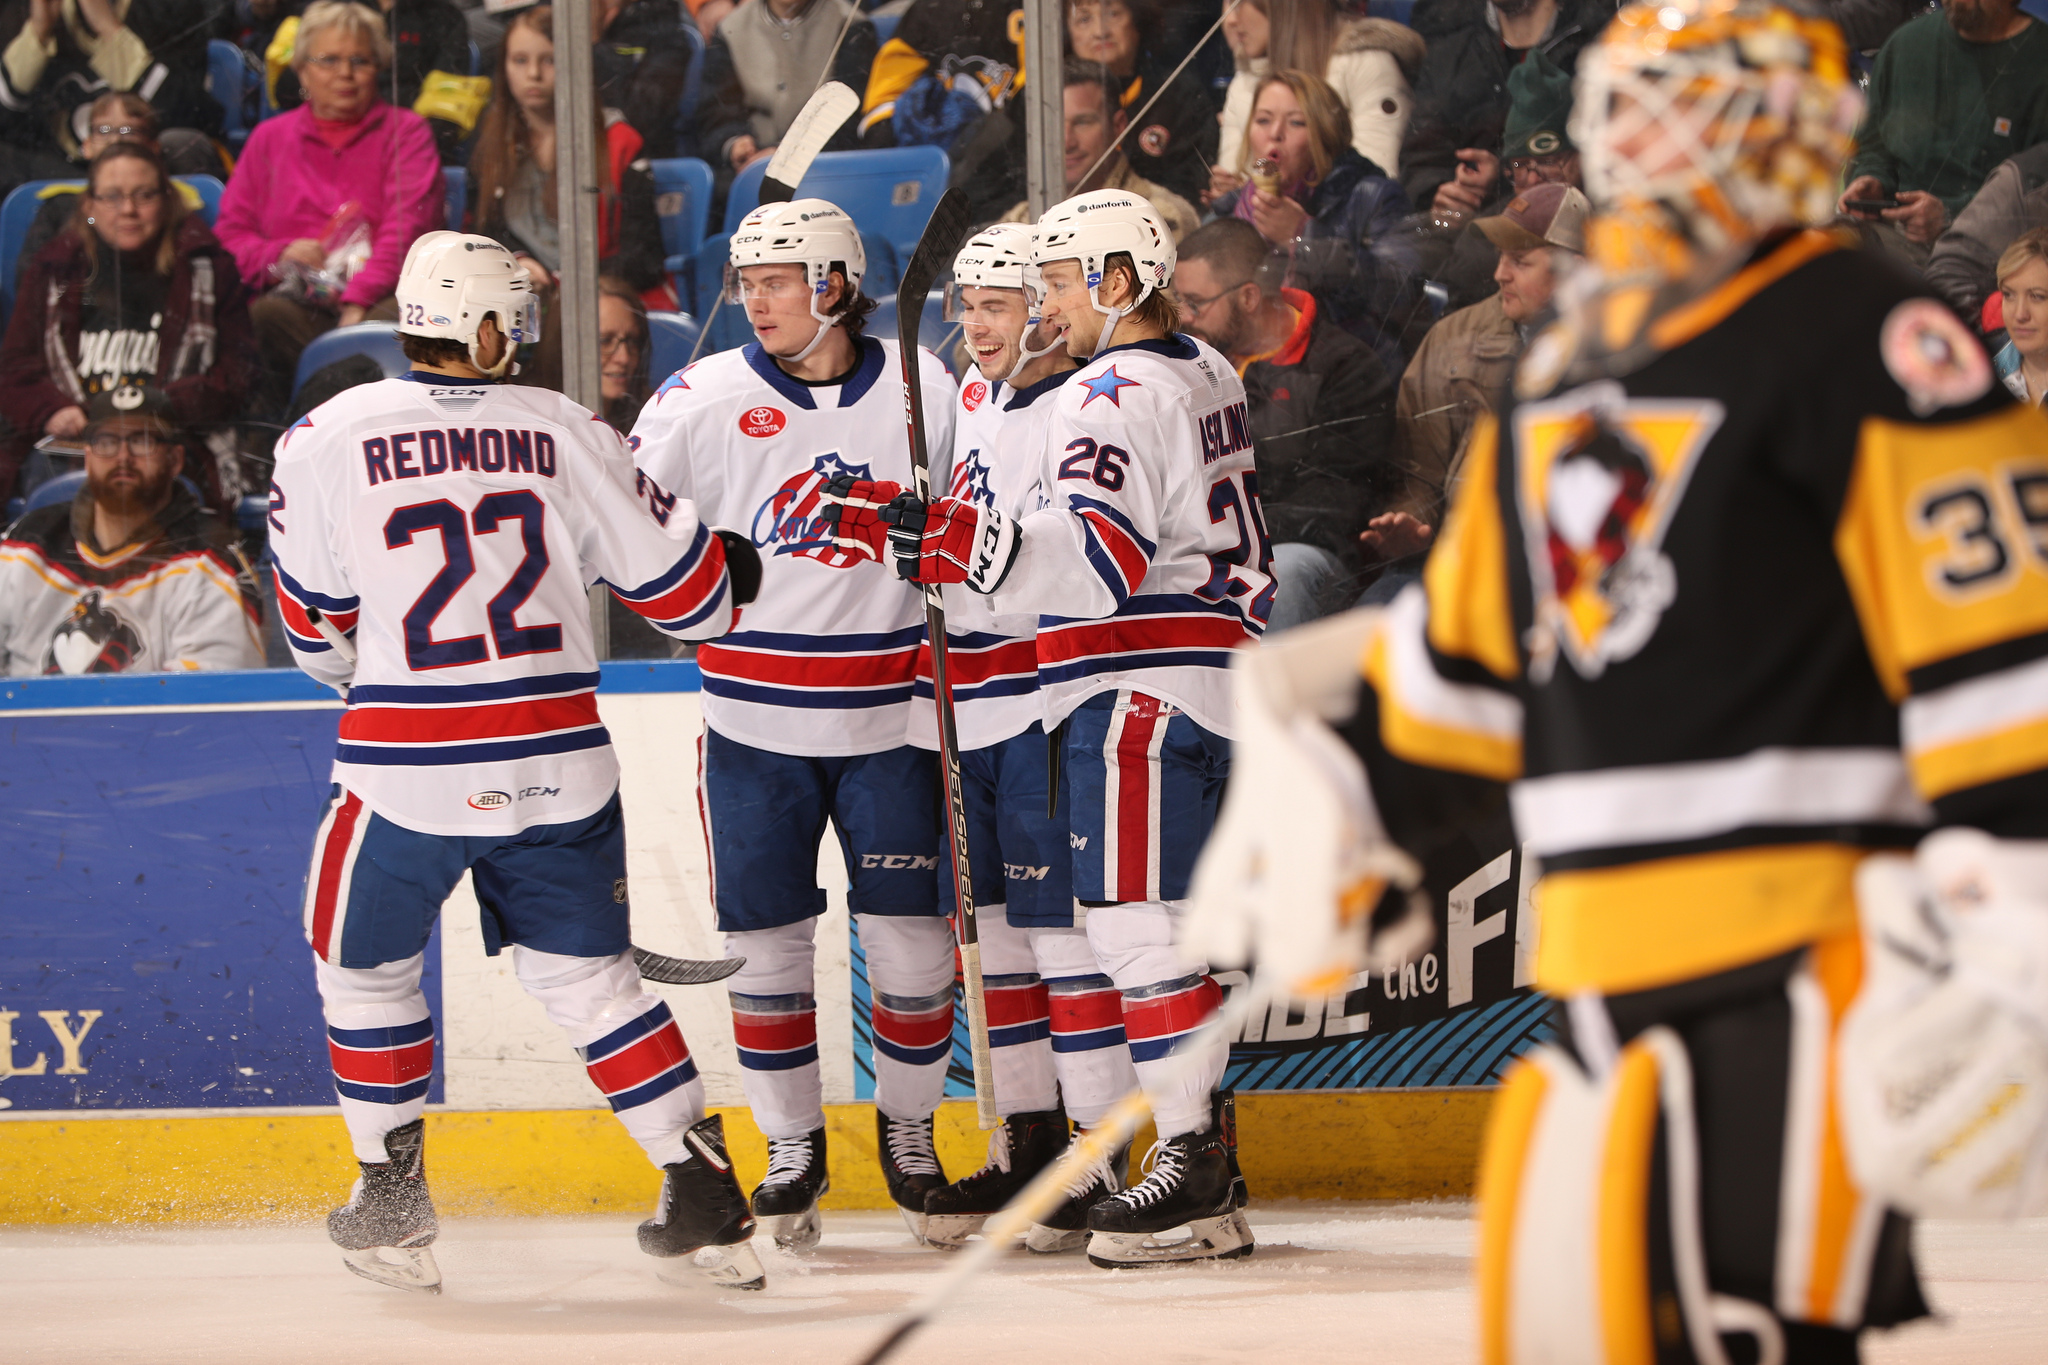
452,529
1148,560
821,663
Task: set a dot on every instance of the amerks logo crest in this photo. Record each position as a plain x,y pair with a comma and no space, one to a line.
974,395
763,421
789,522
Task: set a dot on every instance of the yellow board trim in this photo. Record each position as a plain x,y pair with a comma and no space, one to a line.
1649,924
1624,1216
1466,575
1980,759
1508,1131
1367,1144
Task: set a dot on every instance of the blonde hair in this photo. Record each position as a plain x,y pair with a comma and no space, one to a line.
2031,245
1329,122
356,20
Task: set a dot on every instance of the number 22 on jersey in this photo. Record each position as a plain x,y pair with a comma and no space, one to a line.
507,637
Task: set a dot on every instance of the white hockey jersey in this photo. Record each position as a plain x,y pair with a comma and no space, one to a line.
992,660
1149,561
822,662
452,528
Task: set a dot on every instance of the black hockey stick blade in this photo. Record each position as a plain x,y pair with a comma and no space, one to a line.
944,231
829,106
685,971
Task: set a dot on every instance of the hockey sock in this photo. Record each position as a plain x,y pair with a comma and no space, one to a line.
1019,1031
775,1025
628,1040
911,968
1087,1019
380,1040
1165,997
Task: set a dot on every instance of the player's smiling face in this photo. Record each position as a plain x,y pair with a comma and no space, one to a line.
1066,309
778,303
993,323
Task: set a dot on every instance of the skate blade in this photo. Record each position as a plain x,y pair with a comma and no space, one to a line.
1047,1241
915,1220
950,1229
413,1268
791,1231
1208,1239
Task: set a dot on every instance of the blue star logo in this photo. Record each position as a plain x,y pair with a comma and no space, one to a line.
1105,385
829,467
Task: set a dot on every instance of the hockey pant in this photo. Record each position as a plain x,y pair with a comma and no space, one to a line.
381,1040
1055,1021
775,1018
1667,1183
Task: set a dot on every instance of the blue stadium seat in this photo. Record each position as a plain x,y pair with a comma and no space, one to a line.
476,59
890,191
377,340
457,181
64,487
228,81
209,189
682,200
885,26
18,214
935,334
670,339
693,90
1397,10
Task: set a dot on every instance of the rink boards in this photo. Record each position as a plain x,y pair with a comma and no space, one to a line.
155,1002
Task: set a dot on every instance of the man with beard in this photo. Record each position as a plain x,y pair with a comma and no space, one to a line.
1952,95
132,575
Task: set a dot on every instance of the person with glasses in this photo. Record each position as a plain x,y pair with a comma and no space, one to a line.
343,172
135,291
133,575
117,116
429,73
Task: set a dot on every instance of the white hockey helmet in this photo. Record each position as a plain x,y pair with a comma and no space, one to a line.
812,233
1094,226
452,281
999,257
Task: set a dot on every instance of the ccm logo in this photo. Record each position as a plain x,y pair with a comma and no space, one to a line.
971,397
899,861
490,800
762,422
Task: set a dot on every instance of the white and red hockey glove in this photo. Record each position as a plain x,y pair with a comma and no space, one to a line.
853,511
951,541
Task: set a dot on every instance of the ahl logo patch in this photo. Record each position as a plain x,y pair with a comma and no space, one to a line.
763,422
974,395
619,891
1599,479
490,800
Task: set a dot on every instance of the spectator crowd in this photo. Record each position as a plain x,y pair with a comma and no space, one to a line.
1375,203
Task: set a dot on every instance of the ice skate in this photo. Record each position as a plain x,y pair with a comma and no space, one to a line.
1066,1227
388,1224
910,1165
1023,1146
1187,1208
702,1214
786,1200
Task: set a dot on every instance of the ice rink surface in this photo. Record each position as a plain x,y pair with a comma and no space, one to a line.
1329,1283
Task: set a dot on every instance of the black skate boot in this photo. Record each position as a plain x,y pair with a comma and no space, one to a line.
1066,1227
386,1227
910,1165
702,1214
1023,1146
1194,1184
786,1200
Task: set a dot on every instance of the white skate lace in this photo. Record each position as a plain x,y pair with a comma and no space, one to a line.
1165,1161
788,1160
910,1147
1096,1172
998,1151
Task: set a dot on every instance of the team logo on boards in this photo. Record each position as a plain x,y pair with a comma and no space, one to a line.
1599,478
490,800
788,520
763,421
974,395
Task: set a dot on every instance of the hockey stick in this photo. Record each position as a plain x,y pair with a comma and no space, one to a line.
670,971
943,234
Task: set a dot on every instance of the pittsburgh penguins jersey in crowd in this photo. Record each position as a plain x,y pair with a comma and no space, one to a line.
453,528
823,660
170,599
1148,560
992,660
1775,599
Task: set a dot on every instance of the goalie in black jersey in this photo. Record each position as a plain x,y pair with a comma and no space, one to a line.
1752,639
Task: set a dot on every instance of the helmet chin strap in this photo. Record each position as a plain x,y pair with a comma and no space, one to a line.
504,365
1025,355
1116,315
825,324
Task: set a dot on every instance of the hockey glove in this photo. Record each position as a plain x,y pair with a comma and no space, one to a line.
951,541
742,566
852,513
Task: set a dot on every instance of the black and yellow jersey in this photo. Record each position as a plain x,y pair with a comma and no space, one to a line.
982,38
1723,625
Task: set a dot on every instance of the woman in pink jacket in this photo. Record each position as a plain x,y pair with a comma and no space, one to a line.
317,188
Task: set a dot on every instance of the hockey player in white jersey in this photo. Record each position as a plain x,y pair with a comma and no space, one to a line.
434,537
1147,563
807,702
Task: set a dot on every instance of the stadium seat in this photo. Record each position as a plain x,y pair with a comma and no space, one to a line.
890,192
693,90
377,340
682,201
935,334
457,181
670,339
885,26
209,189
18,214
476,59
228,80
1397,10
64,487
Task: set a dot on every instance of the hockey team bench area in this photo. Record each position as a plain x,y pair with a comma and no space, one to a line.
160,1034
